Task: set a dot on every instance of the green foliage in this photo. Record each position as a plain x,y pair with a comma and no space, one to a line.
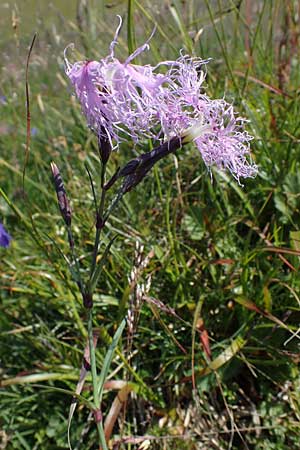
221,255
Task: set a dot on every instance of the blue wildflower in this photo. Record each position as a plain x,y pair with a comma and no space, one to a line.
4,237
34,131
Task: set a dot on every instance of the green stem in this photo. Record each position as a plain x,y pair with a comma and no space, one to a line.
114,203
103,191
96,398
130,27
101,436
77,317
99,227
223,46
95,251
93,358
74,257
99,215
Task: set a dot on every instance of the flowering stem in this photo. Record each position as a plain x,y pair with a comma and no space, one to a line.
103,191
102,441
99,226
99,219
114,203
103,445
74,259
95,251
93,357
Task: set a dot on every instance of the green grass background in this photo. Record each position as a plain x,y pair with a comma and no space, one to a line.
222,255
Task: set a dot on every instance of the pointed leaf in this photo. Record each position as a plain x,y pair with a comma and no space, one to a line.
253,307
267,298
225,356
83,372
115,409
295,239
98,269
108,358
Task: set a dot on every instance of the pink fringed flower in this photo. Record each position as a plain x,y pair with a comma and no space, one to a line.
120,99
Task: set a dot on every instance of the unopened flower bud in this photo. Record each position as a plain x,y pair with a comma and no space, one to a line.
104,146
63,202
87,300
136,170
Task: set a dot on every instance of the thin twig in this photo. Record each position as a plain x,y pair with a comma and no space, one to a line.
27,110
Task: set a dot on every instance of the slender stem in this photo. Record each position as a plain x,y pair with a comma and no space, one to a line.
114,203
130,27
103,191
95,251
78,320
99,227
92,185
74,257
103,445
102,441
99,216
222,45
93,358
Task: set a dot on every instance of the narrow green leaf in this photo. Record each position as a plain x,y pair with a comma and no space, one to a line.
267,298
108,357
33,183
43,376
225,356
130,27
22,440
233,184
82,400
295,240
184,33
98,269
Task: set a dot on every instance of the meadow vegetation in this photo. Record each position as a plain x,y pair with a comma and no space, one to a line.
214,358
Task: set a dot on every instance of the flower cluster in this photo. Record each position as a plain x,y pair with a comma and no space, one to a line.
4,237
124,99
